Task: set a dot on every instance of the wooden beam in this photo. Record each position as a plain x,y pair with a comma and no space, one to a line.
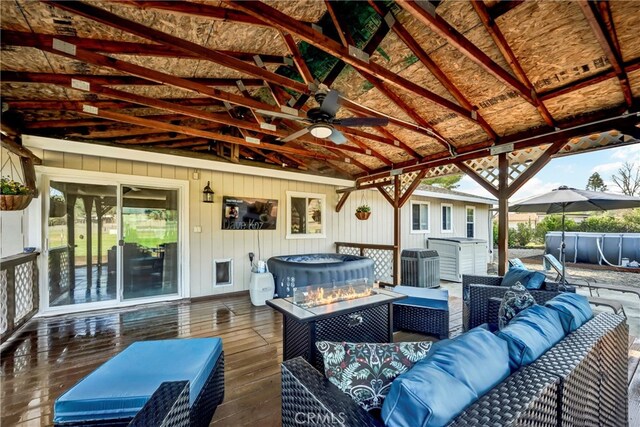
477,178
345,36
397,231
297,58
536,166
112,20
27,39
608,45
442,28
62,104
501,42
520,140
384,193
113,80
342,201
204,134
12,146
278,19
503,213
414,184
437,72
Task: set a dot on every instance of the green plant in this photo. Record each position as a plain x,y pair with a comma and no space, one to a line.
13,188
522,234
363,208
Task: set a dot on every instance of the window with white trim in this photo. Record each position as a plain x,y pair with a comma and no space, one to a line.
420,217
447,218
471,221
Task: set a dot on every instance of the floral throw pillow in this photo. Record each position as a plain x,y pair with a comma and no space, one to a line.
365,371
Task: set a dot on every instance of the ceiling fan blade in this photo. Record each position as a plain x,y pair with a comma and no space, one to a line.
280,115
295,135
337,137
331,103
362,121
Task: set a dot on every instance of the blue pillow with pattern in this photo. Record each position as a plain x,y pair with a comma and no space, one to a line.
365,371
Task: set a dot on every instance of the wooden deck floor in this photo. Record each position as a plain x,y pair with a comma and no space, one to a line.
54,353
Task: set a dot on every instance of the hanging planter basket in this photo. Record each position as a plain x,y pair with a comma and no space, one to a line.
15,202
363,216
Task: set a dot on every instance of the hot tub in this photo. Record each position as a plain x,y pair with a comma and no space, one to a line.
316,269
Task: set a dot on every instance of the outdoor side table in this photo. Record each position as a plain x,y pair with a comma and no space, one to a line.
425,311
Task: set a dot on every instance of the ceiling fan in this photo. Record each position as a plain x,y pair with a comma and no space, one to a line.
322,119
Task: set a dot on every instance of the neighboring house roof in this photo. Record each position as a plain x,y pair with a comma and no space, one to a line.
442,193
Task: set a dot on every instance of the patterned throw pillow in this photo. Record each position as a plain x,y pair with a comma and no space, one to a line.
365,371
515,300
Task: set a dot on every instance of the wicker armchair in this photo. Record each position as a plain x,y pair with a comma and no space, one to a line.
479,294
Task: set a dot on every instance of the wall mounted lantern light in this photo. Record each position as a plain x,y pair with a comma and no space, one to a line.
207,194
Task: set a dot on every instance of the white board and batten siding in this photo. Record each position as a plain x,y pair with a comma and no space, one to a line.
214,243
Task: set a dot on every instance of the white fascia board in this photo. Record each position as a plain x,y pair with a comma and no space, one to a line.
436,195
122,153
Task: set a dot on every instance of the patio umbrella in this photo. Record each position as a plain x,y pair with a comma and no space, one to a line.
565,199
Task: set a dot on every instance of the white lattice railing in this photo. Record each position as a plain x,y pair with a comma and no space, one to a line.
383,257
18,291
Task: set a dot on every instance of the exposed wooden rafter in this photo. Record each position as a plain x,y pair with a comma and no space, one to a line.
441,27
609,43
502,44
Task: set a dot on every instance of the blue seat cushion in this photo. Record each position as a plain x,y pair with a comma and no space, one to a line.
420,297
528,279
531,333
120,387
449,379
574,310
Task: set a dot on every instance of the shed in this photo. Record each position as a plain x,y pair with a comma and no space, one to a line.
460,255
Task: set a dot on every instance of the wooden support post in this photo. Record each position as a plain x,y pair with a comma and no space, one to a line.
88,208
503,213
397,231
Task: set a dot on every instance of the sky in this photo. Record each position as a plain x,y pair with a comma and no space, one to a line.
572,171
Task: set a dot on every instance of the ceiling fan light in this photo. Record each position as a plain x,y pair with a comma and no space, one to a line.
321,131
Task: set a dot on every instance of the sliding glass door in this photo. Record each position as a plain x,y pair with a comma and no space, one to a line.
150,242
82,234
110,243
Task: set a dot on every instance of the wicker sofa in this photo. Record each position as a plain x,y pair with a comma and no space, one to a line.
579,381
481,297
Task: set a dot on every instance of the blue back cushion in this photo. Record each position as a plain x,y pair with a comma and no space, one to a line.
120,387
451,378
516,263
531,333
529,279
574,310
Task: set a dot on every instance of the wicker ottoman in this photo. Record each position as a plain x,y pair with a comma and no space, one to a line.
425,311
176,383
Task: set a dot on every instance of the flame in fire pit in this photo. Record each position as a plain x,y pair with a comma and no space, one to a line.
322,296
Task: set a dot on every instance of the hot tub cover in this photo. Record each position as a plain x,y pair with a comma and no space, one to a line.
120,387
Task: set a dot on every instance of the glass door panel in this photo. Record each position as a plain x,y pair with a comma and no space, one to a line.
150,242
82,235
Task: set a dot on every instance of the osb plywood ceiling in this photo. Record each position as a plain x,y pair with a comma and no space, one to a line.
200,78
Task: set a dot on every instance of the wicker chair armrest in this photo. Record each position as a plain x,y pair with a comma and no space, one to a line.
468,280
168,406
527,397
309,398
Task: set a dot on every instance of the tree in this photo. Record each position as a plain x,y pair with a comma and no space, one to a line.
628,179
449,182
596,183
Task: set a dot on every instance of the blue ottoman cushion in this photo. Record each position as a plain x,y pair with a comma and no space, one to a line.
449,379
421,297
120,387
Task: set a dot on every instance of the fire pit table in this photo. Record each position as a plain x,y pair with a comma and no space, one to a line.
353,313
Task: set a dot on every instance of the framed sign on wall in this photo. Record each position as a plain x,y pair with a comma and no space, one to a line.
306,215
241,213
